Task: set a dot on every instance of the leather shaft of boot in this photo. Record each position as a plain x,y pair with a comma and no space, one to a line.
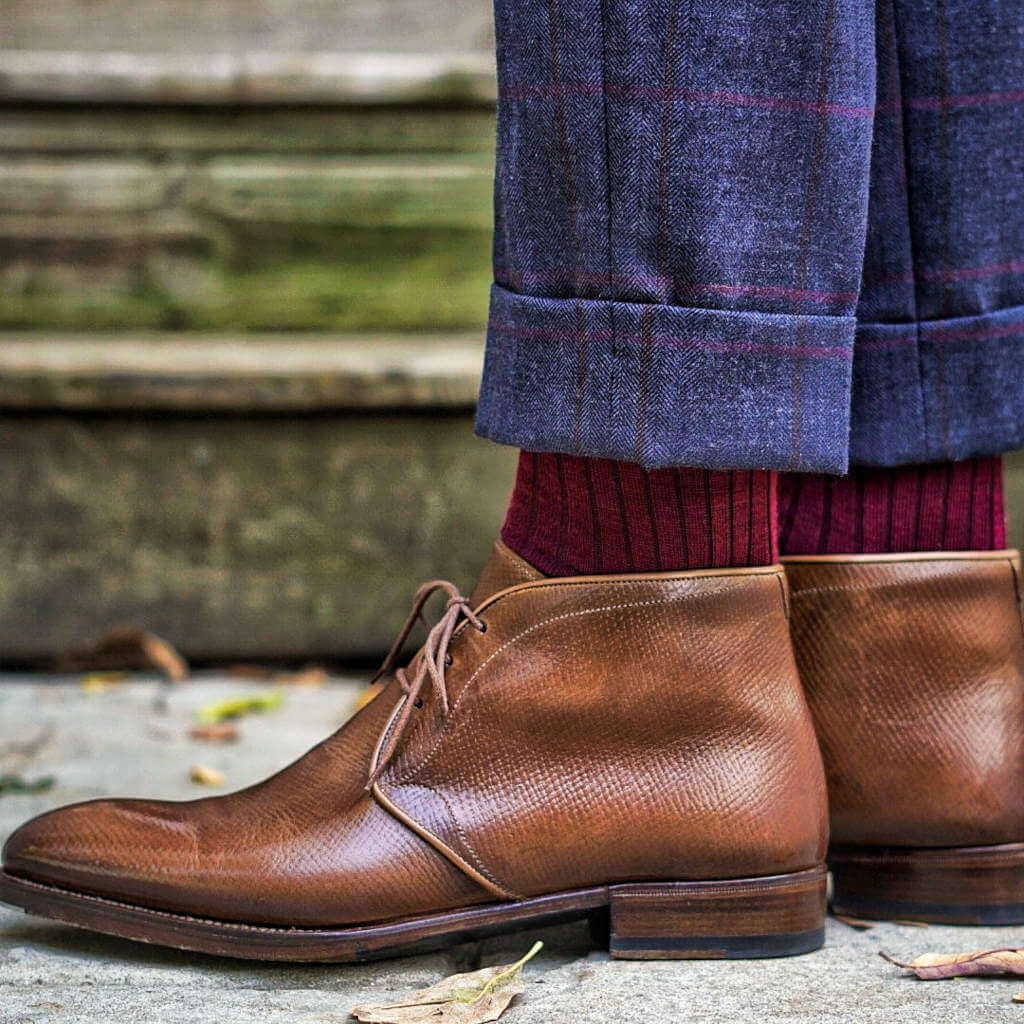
914,671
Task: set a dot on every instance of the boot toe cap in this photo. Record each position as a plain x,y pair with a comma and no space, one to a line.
101,847
220,858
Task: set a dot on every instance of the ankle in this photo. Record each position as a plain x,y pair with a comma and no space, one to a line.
571,515
950,506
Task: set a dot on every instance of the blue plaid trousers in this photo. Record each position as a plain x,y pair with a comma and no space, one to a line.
758,233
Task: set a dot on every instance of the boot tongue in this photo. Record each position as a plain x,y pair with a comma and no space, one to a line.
504,568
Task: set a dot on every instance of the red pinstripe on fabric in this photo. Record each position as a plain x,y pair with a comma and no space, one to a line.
571,516
951,274
696,343
913,336
786,104
950,506
977,99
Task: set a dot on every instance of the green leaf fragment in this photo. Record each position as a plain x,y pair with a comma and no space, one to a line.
235,707
510,973
11,783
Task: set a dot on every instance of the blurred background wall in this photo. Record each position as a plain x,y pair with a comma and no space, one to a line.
244,261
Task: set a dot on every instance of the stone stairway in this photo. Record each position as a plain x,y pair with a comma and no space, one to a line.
244,263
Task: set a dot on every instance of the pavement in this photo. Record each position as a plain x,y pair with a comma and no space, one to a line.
132,739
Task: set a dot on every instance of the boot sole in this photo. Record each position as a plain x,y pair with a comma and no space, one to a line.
955,885
778,915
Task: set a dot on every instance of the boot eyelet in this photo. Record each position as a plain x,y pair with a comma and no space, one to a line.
449,660
417,703
482,628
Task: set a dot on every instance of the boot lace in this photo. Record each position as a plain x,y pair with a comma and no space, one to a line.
430,663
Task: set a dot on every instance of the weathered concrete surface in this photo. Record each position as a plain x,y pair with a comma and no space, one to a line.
393,240
240,373
286,165
232,537
118,742
229,27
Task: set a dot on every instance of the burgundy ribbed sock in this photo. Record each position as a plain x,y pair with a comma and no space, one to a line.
949,506
572,516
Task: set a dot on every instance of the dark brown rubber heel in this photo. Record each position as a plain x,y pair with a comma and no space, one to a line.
779,915
955,885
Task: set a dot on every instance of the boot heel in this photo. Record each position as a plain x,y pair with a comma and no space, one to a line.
779,915
954,885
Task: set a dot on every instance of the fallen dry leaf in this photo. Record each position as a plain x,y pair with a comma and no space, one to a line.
205,776
16,784
245,670
124,648
1019,997
218,732
311,675
474,998
935,966
855,922
235,707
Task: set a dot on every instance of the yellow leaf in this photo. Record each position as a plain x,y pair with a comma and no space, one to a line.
205,776
474,998
100,682
235,707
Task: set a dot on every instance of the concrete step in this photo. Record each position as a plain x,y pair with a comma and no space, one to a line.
279,497
250,173
238,373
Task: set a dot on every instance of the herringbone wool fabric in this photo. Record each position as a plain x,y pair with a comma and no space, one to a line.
744,233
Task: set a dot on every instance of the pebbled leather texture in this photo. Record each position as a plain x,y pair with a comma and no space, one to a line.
603,729
620,728
306,847
503,569
914,671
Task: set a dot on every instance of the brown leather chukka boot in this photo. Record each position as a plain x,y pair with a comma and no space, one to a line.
914,670
557,748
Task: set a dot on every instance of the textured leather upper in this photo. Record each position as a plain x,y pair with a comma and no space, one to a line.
308,846
914,670
614,728
503,569
600,730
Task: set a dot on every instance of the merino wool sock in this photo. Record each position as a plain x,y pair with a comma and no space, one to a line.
572,515
949,506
